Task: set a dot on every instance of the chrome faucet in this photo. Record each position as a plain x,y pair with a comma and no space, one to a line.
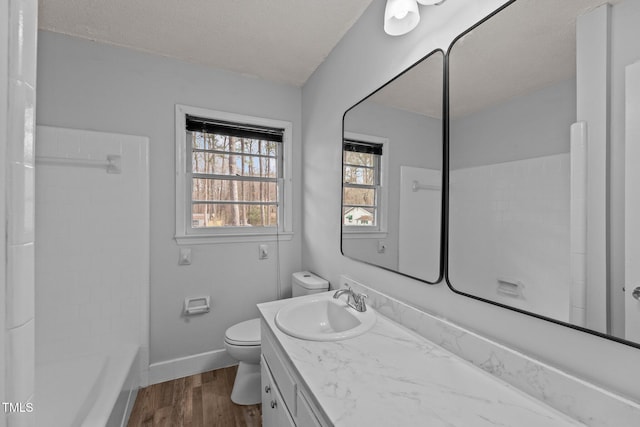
354,299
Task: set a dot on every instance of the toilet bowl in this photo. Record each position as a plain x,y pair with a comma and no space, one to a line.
242,342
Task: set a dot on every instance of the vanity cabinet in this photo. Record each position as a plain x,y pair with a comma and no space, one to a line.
274,411
284,398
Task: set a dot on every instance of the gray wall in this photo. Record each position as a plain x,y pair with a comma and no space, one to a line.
534,125
363,60
87,85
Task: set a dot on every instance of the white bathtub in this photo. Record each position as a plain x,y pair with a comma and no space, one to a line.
87,391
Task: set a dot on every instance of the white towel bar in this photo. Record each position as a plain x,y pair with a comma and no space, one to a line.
415,186
113,164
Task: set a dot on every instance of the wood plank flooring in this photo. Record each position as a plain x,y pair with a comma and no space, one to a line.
201,400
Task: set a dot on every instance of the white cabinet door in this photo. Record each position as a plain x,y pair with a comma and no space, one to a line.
274,411
268,415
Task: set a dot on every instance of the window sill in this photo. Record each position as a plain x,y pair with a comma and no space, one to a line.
364,234
212,239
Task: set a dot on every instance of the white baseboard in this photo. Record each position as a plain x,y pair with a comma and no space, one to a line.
189,365
133,394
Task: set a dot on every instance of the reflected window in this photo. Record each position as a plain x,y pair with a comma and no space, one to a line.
361,184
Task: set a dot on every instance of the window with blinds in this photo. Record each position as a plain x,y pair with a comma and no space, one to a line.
235,173
361,184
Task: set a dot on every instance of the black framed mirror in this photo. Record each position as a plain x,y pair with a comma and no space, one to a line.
392,172
543,101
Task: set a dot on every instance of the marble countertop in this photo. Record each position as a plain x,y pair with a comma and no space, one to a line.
393,376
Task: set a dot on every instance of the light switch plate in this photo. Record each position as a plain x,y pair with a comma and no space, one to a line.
263,252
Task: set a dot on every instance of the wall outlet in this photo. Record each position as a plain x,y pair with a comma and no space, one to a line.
382,246
263,252
185,256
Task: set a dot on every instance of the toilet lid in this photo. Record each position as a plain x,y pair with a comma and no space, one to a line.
244,333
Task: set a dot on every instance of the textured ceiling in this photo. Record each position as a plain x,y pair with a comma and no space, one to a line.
277,40
528,46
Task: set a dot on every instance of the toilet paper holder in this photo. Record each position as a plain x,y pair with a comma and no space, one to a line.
197,305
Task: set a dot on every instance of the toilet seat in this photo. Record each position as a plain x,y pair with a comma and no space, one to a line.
245,333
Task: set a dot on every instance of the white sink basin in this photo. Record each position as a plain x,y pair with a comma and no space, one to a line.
323,318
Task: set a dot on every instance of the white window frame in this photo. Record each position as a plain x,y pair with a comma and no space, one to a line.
185,233
381,231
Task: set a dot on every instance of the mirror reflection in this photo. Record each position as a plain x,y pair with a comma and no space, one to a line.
392,169
543,98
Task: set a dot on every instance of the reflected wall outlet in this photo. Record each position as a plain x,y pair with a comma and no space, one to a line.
263,252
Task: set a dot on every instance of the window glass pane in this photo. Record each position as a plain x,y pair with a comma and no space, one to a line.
207,141
205,215
233,190
359,196
362,159
358,216
196,139
234,164
266,148
358,175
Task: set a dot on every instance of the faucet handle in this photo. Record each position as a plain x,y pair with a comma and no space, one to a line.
362,307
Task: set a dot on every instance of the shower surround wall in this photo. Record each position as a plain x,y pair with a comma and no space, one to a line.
510,222
509,203
92,266
18,25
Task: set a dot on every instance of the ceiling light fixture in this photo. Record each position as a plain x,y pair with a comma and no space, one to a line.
402,16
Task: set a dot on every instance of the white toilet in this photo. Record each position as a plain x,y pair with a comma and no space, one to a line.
242,342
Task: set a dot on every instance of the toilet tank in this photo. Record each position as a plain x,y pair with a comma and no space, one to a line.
306,283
